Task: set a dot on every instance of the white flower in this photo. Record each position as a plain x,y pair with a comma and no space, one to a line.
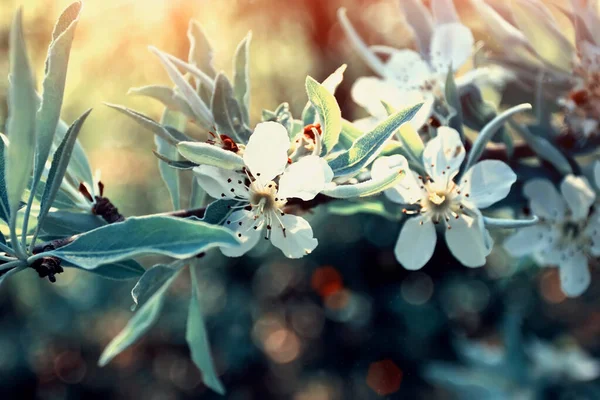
566,236
438,199
263,188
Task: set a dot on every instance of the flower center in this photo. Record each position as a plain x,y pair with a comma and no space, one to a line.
437,198
265,197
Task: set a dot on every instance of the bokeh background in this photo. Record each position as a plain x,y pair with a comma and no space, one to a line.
345,323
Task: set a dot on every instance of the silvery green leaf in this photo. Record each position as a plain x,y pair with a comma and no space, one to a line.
118,271
488,132
453,100
544,149
477,112
138,325
57,61
241,77
177,164
201,53
205,153
152,280
146,122
218,211
329,112
60,161
227,111
164,149
509,223
79,167
197,339
366,188
201,111
167,96
419,19
309,115
65,223
22,107
283,116
201,77
4,207
366,206
349,133
198,196
174,237
368,146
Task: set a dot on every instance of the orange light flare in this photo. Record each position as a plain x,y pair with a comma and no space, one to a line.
384,377
326,281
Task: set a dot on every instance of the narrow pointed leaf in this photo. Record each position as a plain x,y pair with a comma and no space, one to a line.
4,207
197,339
57,61
59,165
227,111
241,77
349,133
205,153
329,112
22,106
152,280
218,211
166,95
147,123
117,271
65,223
366,188
509,223
168,174
174,237
368,146
79,167
488,132
201,53
544,149
177,164
453,100
138,325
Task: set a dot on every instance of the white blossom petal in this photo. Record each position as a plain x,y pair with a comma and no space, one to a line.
451,46
574,274
443,155
305,178
242,223
468,242
526,240
221,183
297,240
368,92
409,69
544,199
487,182
579,196
266,153
408,190
416,243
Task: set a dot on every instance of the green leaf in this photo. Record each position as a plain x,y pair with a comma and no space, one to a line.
117,271
201,111
79,166
152,280
167,96
208,154
349,133
147,123
4,207
509,223
488,132
57,61
330,83
201,53
65,223
22,107
373,206
218,211
227,111
197,339
177,164
329,113
163,148
58,168
241,77
138,325
544,149
283,116
368,146
366,188
174,237
453,100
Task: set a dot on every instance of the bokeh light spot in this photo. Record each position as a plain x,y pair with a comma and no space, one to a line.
384,377
326,281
